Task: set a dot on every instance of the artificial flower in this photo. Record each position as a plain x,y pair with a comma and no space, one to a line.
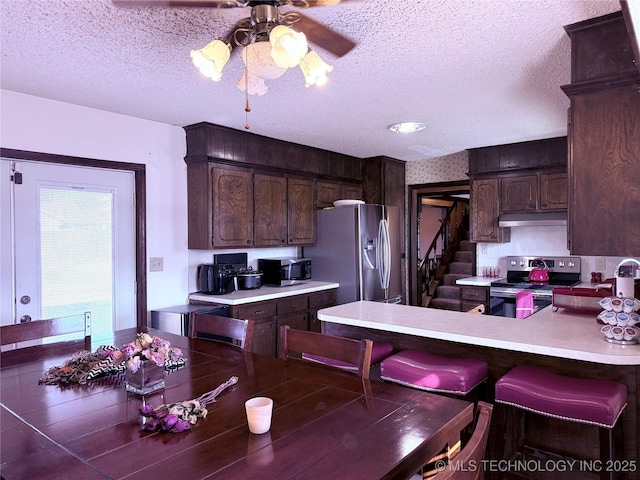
147,348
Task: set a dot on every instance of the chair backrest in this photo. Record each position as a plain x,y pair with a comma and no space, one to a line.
357,352
468,463
222,329
51,327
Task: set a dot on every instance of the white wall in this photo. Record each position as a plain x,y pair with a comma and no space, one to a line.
41,125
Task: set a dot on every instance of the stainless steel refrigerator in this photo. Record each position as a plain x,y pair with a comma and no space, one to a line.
359,247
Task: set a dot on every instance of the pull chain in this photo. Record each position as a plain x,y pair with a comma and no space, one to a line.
247,107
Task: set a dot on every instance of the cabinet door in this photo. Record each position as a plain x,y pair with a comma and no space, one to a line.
604,166
270,195
328,192
471,297
553,191
262,314
232,208
485,207
350,192
301,211
519,194
297,321
318,301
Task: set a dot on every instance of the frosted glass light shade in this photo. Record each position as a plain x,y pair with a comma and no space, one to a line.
314,69
257,58
211,59
253,84
288,47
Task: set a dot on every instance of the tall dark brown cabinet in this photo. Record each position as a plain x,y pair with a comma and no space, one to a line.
604,139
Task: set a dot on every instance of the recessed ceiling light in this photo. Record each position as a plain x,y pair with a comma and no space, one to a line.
406,127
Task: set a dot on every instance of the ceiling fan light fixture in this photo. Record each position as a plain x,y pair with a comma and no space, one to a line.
407,127
211,59
252,84
257,59
288,47
314,69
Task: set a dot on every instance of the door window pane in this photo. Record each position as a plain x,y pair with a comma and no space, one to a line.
76,251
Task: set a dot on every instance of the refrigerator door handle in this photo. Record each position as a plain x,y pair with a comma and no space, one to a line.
384,254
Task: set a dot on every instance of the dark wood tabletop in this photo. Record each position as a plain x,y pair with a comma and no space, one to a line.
326,423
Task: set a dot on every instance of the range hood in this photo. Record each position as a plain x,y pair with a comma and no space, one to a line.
555,219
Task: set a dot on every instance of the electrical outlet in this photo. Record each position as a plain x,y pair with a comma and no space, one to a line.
601,264
484,248
155,264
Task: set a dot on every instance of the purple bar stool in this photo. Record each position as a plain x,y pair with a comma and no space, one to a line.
380,351
589,401
425,371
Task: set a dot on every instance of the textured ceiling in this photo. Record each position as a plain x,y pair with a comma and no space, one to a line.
477,72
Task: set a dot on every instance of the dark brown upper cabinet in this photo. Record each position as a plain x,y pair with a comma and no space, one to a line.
604,134
232,208
270,196
301,211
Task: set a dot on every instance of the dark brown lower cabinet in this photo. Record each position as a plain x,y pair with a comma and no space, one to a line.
297,311
471,297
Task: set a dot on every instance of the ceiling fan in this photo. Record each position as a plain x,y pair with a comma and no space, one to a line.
264,16
271,41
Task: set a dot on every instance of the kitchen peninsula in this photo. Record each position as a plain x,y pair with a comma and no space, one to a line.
562,342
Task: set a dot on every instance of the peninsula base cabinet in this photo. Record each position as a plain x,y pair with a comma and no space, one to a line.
297,311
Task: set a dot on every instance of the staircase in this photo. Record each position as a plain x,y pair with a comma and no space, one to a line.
447,294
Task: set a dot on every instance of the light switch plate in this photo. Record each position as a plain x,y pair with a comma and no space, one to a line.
601,264
155,264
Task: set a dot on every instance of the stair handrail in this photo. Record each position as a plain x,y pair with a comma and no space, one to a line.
440,233
448,242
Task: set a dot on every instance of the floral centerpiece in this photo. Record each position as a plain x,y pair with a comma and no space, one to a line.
148,348
144,353
145,360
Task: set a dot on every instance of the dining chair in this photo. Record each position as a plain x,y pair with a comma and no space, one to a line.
468,462
294,343
223,329
51,327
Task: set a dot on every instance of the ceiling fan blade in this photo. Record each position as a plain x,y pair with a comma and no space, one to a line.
314,3
323,36
178,3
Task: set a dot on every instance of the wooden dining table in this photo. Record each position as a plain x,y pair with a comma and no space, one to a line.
326,423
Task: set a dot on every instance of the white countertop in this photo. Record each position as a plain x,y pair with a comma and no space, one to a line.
240,297
477,281
557,334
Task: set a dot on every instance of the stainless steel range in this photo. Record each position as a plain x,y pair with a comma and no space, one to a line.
561,271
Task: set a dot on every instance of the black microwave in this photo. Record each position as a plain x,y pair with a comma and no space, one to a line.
280,272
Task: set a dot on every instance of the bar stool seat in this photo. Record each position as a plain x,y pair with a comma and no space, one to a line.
380,351
589,401
425,371
592,401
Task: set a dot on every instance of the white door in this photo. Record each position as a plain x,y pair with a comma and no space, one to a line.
72,243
